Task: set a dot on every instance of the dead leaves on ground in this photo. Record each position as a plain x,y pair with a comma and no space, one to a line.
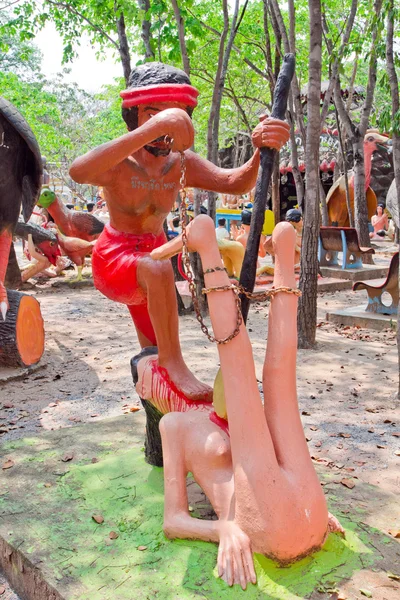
99,519
8,464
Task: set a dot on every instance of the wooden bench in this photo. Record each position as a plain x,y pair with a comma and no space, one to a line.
333,240
390,285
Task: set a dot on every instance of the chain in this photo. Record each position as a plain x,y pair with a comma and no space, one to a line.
235,288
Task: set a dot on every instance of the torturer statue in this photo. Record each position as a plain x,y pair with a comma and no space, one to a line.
140,175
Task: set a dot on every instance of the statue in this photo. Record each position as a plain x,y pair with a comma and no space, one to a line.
21,323
380,223
254,467
295,217
140,175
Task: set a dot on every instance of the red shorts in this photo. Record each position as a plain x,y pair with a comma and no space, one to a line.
114,263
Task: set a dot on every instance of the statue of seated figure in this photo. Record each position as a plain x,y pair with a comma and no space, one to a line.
255,467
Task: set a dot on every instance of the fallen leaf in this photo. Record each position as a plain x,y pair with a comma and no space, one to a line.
141,548
67,457
113,535
8,464
366,593
98,519
395,533
349,483
134,408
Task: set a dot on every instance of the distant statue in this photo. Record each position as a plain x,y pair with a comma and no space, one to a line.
380,223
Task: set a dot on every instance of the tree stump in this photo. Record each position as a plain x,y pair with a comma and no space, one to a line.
152,444
22,333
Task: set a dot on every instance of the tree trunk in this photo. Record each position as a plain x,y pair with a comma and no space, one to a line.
307,311
394,90
324,208
123,46
360,199
275,194
22,333
146,33
181,33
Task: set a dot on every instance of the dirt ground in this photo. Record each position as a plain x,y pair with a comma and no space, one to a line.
347,386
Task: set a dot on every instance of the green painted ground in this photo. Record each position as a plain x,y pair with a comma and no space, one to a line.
52,524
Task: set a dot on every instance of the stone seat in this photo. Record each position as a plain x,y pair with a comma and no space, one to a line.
333,240
375,292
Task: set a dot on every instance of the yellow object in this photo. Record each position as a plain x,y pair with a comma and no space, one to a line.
269,223
232,254
219,396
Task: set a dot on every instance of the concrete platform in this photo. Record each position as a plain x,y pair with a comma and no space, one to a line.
367,272
51,548
358,317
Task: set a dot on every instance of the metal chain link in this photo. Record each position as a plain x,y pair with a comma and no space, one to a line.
189,274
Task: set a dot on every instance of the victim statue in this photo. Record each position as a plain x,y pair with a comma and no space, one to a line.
140,175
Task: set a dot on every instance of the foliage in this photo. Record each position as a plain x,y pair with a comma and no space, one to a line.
68,121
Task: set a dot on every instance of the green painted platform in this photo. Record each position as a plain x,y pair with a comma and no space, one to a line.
52,549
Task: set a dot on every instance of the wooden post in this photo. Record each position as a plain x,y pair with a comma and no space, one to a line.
267,155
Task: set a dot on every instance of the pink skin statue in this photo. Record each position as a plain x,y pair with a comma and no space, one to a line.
258,474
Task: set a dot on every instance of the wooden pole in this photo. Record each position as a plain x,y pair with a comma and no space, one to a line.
267,155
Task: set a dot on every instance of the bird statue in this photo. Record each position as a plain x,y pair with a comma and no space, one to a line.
42,246
20,182
336,197
76,249
70,222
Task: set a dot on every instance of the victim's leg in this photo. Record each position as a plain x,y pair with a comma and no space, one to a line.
249,435
279,373
157,279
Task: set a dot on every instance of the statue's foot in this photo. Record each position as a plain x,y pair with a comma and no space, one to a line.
284,240
169,390
334,526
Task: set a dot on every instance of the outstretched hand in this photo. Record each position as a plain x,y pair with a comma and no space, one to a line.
235,558
270,133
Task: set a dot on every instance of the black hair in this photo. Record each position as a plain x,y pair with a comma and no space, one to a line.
222,222
246,217
152,74
293,215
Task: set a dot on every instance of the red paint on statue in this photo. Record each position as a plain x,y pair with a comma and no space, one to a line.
167,92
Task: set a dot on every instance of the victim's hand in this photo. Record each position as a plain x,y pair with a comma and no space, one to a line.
235,558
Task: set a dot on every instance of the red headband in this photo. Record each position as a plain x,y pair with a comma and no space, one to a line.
161,92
